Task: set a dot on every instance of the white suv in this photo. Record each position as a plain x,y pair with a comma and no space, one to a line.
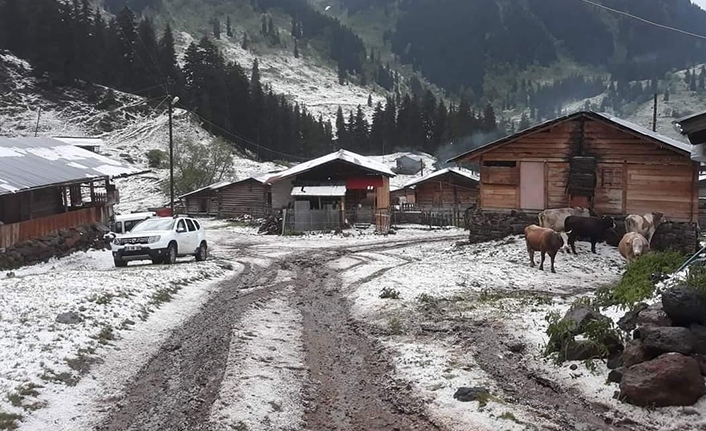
161,240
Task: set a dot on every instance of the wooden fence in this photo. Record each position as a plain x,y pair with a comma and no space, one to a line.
444,218
11,234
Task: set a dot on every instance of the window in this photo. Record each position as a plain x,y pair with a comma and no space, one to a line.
191,226
131,224
181,227
500,164
119,227
154,224
198,226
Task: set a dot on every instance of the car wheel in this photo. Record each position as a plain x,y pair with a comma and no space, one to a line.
157,261
119,263
171,257
202,252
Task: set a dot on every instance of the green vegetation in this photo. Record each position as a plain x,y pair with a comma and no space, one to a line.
8,421
106,334
389,293
637,284
394,325
697,278
156,158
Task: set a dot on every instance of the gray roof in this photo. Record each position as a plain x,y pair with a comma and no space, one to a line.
32,163
679,146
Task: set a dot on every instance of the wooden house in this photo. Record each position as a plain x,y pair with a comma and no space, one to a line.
334,190
588,159
47,185
250,197
450,189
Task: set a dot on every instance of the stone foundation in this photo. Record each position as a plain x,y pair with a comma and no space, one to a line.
489,226
57,244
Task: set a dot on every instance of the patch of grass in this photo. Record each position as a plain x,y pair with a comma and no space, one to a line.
486,295
106,334
637,283
161,296
29,390
508,416
8,421
240,426
394,325
66,378
697,279
275,406
389,293
105,299
15,399
426,299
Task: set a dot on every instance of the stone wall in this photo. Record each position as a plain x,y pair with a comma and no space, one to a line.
679,236
488,226
57,244
399,217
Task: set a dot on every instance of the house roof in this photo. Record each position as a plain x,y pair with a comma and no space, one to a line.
262,178
32,163
80,142
465,173
319,191
341,155
692,123
619,123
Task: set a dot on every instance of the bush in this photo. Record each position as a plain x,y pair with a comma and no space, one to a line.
156,158
637,283
389,293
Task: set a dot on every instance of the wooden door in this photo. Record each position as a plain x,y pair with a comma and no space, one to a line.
532,185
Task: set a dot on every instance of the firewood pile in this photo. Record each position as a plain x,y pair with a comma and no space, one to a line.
272,225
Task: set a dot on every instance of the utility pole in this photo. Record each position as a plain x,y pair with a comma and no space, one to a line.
171,154
36,128
654,115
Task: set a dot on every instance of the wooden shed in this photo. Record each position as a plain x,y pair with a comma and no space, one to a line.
251,197
450,188
588,159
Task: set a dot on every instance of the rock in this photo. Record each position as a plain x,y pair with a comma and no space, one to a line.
658,340
629,321
671,379
472,394
690,411
615,361
701,360
516,347
654,315
634,353
616,375
574,367
699,333
69,242
581,350
579,317
684,305
69,318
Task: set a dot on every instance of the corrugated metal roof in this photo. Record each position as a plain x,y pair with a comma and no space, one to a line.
260,178
30,163
459,171
632,127
319,191
343,155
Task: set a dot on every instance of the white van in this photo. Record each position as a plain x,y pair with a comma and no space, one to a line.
125,222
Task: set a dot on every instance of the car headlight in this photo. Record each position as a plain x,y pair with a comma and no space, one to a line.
153,239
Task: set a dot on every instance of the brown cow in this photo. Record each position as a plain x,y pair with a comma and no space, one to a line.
543,240
632,246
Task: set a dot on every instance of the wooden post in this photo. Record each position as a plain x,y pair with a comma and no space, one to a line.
625,186
654,115
695,193
66,199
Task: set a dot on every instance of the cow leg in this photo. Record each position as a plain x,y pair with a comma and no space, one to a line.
593,245
541,265
531,256
552,256
565,247
572,242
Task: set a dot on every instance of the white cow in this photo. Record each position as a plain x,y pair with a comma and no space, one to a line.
555,218
644,225
632,246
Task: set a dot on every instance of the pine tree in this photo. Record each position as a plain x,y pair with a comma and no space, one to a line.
167,60
361,131
377,130
524,122
342,75
666,94
370,100
296,48
702,77
692,83
341,130
687,76
217,28
229,28
246,42
263,27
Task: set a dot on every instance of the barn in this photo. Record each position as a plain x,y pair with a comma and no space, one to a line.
250,196
47,185
333,190
588,159
446,189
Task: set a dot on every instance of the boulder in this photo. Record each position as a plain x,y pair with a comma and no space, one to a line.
684,305
654,315
579,317
69,318
629,321
634,353
616,375
472,394
671,379
580,350
615,361
658,340
699,334
701,359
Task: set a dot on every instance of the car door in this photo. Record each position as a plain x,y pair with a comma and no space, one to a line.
182,237
193,235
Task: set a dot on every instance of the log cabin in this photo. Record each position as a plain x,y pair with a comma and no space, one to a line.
588,159
251,197
450,188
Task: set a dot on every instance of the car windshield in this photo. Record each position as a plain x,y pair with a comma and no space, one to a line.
154,224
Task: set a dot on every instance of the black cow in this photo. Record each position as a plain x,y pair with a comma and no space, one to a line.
593,228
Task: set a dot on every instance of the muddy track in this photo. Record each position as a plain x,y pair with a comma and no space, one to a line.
177,387
349,387
350,384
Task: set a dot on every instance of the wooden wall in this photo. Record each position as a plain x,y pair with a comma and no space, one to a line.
633,174
245,198
446,191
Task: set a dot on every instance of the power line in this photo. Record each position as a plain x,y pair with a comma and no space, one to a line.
241,139
646,21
